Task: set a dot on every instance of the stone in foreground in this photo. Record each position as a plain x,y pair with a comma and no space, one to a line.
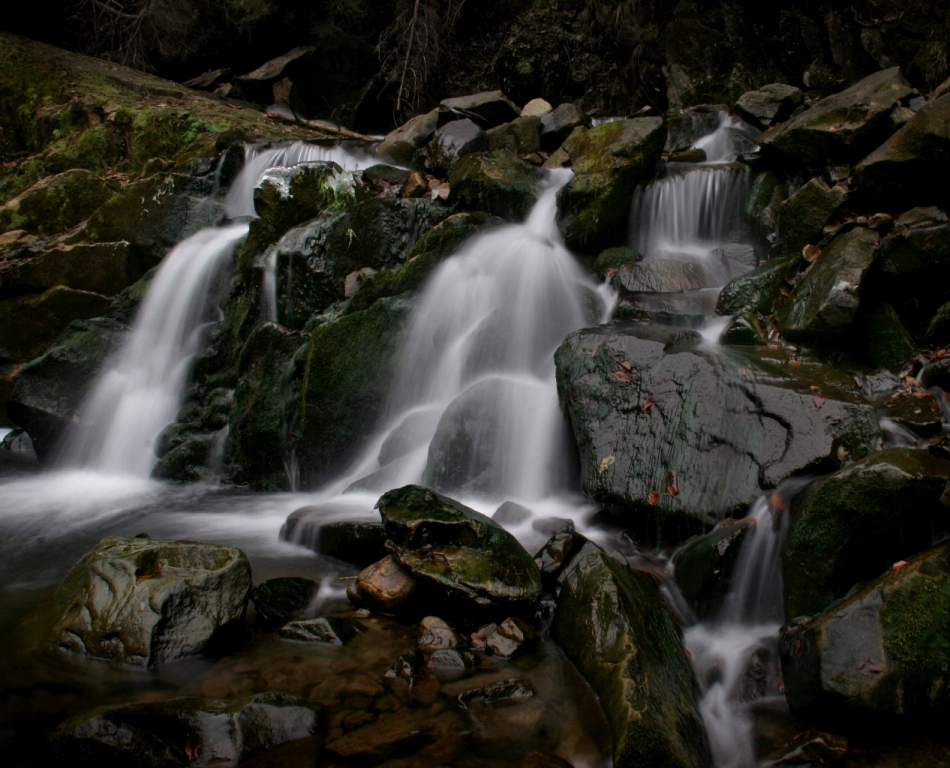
461,555
883,651
186,731
144,601
282,599
331,630
612,624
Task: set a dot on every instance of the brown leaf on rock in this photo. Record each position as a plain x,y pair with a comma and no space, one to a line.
623,377
647,404
819,400
811,252
654,498
672,488
796,363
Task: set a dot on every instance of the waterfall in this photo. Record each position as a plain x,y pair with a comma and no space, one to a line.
140,391
474,408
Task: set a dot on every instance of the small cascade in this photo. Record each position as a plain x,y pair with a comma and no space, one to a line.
474,411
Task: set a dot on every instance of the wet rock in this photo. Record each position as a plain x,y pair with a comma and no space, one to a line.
146,601
488,108
844,127
612,624
757,291
283,599
773,103
677,309
57,203
825,303
48,391
31,324
384,179
415,186
550,526
450,662
853,525
186,731
608,162
688,156
449,143
814,748
634,389
556,554
511,690
558,124
662,276
887,341
399,146
685,126
437,634
536,107
511,514
513,637
332,630
880,652
410,677
521,136
466,558
703,568
614,259
497,182
802,217
891,175
101,268
400,734
356,543
385,586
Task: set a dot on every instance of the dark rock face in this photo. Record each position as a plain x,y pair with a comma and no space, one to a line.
280,600
471,561
449,143
656,420
802,216
608,162
662,276
880,652
356,543
892,174
399,146
773,103
853,525
557,125
844,127
101,268
887,340
612,624
497,182
56,204
704,567
145,601
186,731
825,303
755,292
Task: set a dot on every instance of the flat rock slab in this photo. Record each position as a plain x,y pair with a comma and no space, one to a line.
663,425
662,276
144,601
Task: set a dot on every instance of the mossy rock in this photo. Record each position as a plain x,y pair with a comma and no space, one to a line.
881,655
757,291
853,525
802,217
613,259
497,182
475,566
612,623
888,342
608,162
56,204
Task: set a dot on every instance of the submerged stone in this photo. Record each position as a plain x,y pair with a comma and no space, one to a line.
511,690
332,630
437,634
612,624
512,637
147,601
280,600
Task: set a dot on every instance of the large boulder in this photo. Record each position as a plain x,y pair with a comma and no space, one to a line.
773,103
488,108
186,731
851,526
825,302
802,216
895,174
661,276
522,135
756,291
497,182
558,124
143,602
613,625
459,554
449,143
57,203
101,268
703,567
656,418
399,145
608,162
880,654
844,127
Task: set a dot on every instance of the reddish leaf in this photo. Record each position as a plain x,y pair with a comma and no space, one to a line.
940,353
796,363
647,404
899,564
672,488
654,498
627,365
623,377
784,292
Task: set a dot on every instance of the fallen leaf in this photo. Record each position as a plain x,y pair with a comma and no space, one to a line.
899,564
869,668
627,365
819,401
784,292
606,464
611,272
623,377
814,387
796,648
923,394
796,363
940,353
654,498
647,404
672,488
811,252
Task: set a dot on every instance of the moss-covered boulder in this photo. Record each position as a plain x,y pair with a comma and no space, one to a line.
101,268
57,203
612,624
756,292
888,342
803,215
825,302
497,182
145,601
186,731
895,174
469,561
851,526
844,127
522,135
351,363
656,417
608,162
703,568
882,654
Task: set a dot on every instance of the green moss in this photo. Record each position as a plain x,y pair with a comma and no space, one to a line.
916,624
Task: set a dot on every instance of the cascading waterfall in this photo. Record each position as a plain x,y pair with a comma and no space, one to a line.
141,390
474,410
